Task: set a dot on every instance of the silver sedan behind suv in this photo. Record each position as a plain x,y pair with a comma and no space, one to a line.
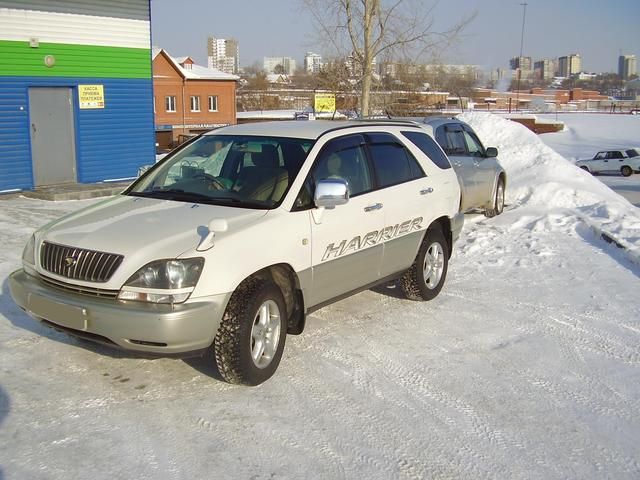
482,178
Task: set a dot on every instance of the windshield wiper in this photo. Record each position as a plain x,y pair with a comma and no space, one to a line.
175,194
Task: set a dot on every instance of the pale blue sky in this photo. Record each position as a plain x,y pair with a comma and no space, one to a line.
599,30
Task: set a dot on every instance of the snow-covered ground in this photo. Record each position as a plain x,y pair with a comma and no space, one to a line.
526,366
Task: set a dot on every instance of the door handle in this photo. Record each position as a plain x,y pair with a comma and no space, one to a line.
371,208
426,191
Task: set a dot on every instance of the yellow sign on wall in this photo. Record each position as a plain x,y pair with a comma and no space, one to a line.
91,96
324,102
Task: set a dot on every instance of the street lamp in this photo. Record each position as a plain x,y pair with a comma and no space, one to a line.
519,70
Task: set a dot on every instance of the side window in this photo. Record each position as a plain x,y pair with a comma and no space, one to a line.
600,156
456,144
392,162
429,147
616,155
473,144
343,158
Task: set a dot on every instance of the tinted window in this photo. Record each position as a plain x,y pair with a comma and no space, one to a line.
343,158
632,153
451,139
392,162
429,147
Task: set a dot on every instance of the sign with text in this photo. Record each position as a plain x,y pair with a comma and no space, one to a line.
91,96
324,102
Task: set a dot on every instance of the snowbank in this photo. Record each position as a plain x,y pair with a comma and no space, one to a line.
538,176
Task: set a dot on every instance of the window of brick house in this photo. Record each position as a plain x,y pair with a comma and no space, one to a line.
213,103
170,103
195,103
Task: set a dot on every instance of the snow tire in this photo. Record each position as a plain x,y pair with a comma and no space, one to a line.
413,283
232,347
498,201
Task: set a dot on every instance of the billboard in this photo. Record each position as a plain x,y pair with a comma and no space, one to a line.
324,102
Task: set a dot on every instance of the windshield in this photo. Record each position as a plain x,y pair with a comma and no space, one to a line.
242,171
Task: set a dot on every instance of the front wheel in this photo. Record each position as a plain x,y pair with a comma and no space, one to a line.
498,202
250,340
425,278
626,171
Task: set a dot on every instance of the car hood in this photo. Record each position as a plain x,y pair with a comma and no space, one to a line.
143,229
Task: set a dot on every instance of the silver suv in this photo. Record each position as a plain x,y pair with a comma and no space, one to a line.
482,178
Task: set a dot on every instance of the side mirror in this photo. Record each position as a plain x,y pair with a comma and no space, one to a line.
331,192
491,152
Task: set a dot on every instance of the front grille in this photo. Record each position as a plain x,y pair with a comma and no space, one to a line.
78,263
68,287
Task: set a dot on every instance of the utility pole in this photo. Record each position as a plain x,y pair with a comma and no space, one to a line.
519,71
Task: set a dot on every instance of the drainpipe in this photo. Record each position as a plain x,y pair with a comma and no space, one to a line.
184,107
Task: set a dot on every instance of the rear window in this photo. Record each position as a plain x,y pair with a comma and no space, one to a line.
632,153
429,147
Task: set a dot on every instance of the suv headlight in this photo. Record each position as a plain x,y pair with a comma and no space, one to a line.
163,281
29,252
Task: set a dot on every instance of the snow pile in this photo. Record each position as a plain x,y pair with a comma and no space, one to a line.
538,176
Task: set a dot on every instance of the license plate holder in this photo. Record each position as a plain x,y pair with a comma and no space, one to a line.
69,316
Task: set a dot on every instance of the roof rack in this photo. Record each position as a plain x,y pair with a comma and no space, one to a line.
387,121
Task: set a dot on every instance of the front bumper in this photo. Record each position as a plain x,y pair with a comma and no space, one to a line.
156,329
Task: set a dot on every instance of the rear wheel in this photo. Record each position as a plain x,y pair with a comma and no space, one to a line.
250,340
626,171
425,278
498,201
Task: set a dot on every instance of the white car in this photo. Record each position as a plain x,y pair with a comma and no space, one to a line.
224,246
624,161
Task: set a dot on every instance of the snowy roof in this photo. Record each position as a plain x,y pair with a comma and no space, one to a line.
196,72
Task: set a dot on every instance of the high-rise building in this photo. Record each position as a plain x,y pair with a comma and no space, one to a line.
285,65
626,66
569,65
522,63
223,54
544,69
312,62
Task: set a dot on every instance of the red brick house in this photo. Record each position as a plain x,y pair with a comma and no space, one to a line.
189,98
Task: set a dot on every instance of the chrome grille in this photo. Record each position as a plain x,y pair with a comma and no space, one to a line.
78,263
68,287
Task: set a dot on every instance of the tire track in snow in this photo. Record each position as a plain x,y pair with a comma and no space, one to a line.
421,389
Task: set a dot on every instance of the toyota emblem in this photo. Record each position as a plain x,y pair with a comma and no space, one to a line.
69,261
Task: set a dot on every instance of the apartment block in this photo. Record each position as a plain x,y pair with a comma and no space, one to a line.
312,62
569,65
223,54
279,65
545,69
626,66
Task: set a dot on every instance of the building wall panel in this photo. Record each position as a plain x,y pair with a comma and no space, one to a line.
131,9
18,59
22,25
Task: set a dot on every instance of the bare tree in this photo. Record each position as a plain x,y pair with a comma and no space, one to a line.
366,29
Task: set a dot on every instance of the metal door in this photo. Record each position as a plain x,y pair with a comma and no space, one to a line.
52,135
